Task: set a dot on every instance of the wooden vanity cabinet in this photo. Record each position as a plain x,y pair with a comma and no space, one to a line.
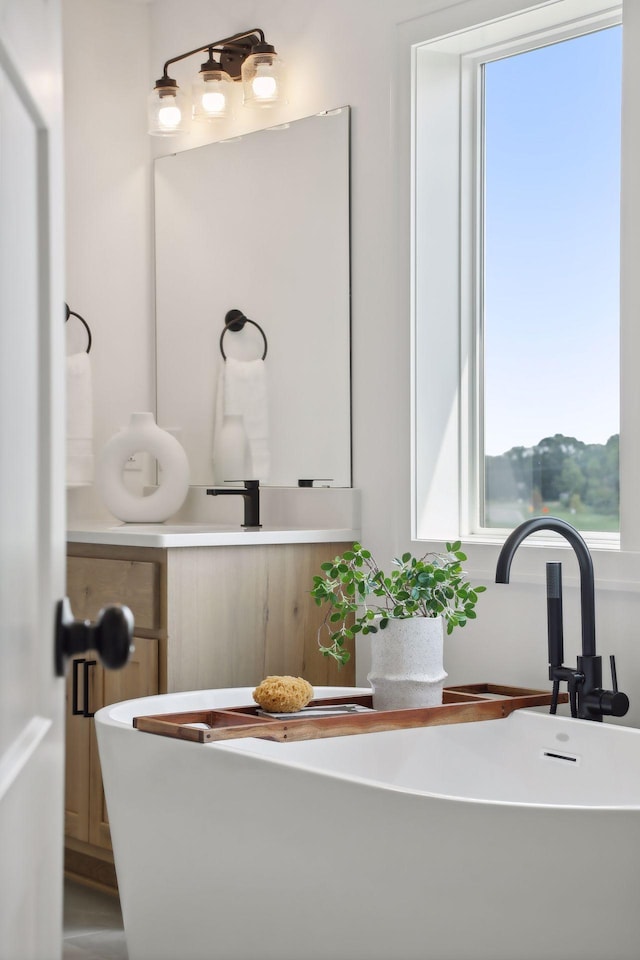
90,687
96,577
221,616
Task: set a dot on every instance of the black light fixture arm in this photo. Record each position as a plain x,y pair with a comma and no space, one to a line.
227,43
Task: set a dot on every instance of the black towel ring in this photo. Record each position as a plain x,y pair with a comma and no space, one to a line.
235,320
72,313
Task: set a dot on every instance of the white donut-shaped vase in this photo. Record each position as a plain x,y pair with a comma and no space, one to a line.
143,435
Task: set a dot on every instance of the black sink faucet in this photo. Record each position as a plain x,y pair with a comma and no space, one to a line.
251,496
588,700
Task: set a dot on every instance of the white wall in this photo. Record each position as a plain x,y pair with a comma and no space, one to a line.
108,205
337,51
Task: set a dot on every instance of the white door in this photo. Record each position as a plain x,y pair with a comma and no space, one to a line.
31,479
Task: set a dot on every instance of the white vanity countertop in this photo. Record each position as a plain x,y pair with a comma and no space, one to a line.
201,534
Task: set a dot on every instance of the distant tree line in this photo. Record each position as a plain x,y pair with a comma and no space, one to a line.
558,469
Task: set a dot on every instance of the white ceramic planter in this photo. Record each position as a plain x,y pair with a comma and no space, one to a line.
143,435
406,664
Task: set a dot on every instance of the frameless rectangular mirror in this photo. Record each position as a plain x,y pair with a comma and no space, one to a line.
259,224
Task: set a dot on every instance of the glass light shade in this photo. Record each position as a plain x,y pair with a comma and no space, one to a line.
262,80
212,95
167,112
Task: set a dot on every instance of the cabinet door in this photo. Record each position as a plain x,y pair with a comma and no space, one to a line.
85,812
138,679
78,744
95,582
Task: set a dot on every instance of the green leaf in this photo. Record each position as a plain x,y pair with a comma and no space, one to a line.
432,585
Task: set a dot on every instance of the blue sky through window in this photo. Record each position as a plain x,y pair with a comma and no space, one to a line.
552,192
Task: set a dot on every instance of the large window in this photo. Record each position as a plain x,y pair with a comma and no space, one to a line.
550,269
515,261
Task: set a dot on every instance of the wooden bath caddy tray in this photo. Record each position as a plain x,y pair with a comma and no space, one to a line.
465,704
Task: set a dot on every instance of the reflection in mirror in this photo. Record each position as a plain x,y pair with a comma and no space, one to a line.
258,224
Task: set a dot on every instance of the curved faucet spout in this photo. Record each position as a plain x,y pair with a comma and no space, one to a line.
585,563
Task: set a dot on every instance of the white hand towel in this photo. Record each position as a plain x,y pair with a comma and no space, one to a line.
242,391
231,458
79,419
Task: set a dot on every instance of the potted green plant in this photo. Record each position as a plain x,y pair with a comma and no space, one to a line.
410,605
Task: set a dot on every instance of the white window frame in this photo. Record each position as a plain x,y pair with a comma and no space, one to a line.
441,52
472,320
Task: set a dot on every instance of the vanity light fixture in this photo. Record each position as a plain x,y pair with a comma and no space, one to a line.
245,57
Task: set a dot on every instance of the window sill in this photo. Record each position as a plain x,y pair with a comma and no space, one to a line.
615,569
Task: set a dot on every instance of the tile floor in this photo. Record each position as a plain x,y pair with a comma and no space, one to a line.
92,928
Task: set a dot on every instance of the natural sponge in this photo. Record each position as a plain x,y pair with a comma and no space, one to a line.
283,694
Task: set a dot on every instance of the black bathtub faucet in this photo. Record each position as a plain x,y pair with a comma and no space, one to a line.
587,698
251,496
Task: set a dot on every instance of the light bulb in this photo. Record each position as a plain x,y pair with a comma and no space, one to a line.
212,93
264,86
169,116
262,77
213,102
166,109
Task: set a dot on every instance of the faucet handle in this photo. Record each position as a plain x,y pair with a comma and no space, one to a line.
573,681
614,673
613,703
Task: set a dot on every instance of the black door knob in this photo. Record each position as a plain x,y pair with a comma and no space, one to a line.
111,635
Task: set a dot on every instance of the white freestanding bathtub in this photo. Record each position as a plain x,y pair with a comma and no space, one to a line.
514,839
